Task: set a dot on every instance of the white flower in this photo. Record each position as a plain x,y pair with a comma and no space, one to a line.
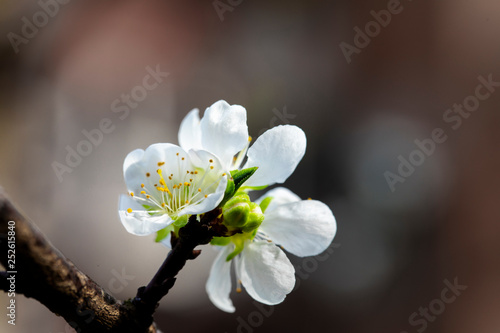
302,227
165,183
223,131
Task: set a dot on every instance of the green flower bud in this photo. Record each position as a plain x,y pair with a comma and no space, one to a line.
236,211
255,218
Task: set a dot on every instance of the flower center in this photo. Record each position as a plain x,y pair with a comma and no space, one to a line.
172,187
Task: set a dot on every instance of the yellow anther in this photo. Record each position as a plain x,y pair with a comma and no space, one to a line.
163,204
187,201
159,171
309,199
148,174
199,190
191,179
211,160
177,154
143,192
175,186
161,163
238,290
147,196
142,185
155,185
182,158
206,195
224,174
129,210
187,172
196,172
162,182
211,167
131,194
192,172
170,177
186,184
249,138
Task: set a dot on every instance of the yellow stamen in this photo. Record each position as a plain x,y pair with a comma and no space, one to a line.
142,185
131,194
161,163
129,210
143,192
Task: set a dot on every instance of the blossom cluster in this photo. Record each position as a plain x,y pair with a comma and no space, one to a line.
215,166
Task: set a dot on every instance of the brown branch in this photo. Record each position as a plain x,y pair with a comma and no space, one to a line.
44,274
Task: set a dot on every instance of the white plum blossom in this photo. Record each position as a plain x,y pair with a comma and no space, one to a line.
302,227
165,183
223,131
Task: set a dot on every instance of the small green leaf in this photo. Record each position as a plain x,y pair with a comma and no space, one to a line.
240,176
265,203
229,192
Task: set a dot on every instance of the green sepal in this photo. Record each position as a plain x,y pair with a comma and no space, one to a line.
265,203
241,176
181,221
239,242
220,241
163,233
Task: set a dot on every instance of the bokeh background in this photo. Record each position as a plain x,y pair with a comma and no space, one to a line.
283,62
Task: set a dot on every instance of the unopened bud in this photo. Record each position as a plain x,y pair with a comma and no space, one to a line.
236,211
255,218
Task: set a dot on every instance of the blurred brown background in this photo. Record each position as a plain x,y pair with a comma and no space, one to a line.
283,62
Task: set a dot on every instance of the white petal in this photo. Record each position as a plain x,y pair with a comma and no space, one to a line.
265,272
224,130
136,170
304,228
190,131
219,281
132,158
139,222
277,153
280,196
